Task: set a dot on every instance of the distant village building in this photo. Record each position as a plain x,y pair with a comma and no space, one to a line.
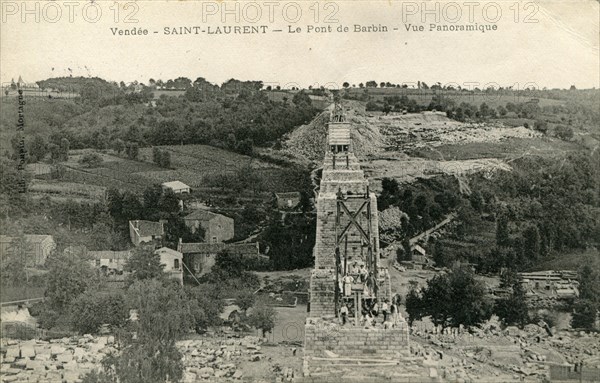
38,247
217,227
109,262
200,257
177,187
551,283
173,262
287,201
141,231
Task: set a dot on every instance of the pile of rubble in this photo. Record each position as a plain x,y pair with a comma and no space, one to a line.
68,359
506,354
214,359
52,361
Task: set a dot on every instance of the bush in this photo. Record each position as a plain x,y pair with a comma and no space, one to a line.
91,160
262,317
47,317
563,132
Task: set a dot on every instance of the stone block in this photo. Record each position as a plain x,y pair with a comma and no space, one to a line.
27,351
64,357
13,352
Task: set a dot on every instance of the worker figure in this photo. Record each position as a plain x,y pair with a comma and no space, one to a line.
394,312
344,314
348,280
355,270
363,273
384,310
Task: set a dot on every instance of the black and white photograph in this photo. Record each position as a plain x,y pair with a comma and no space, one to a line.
352,191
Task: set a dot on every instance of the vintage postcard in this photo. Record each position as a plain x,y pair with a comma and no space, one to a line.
300,191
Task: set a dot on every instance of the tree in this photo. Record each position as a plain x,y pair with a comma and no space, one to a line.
208,306
584,314
346,85
414,306
37,148
245,299
151,200
452,299
164,314
144,264
131,206
262,317
165,159
157,155
118,145
169,203
513,310
115,203
91,310
540,126
133,150
68,277
585,310
531,243
15,262
64,149
502,238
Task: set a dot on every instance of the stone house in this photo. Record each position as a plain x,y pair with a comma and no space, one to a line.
173,262
141,231
38,247
110,262
200,257
217,227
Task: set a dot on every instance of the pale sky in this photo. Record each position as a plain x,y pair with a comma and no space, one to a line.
557,48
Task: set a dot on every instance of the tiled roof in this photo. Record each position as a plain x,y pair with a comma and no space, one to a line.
107,254
215,248
148,228
33,238
202,215
175,185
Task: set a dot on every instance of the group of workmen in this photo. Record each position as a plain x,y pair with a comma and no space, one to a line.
375,313
355,274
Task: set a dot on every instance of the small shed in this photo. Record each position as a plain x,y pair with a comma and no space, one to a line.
287,201
177,187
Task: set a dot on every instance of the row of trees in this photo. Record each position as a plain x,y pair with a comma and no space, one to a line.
458,298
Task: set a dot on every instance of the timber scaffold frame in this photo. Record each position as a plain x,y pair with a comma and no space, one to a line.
341,235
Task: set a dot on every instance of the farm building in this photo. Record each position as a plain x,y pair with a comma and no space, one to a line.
419,255
200,257
177,187
110,262
173,262
217,227
287,201
145,231
38,247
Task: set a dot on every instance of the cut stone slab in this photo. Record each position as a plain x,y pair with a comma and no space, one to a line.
27,351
